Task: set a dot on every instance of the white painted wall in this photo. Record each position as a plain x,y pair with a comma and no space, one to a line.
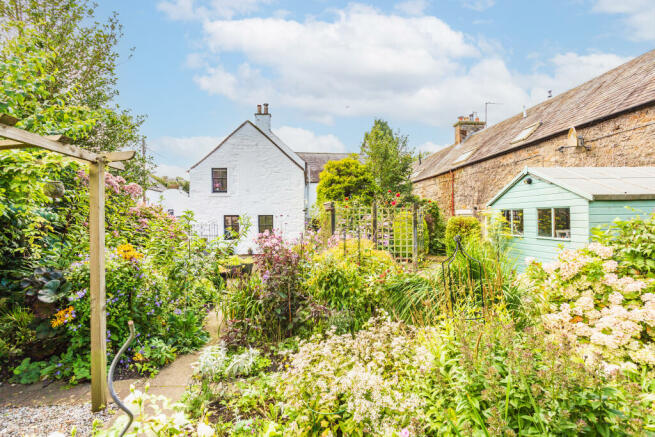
175,199
312,194
262,180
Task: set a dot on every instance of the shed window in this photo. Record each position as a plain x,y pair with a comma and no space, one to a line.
514,219
265,223
219,180
231,227
554,223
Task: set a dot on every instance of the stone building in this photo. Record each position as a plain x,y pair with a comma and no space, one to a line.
613,121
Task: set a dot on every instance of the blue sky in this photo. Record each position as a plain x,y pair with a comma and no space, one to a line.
329,68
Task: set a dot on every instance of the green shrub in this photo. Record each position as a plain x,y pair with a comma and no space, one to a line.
492,379
349,283
436,229
634,242
468,228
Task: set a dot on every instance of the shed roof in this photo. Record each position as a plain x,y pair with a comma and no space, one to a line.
594,183
316,162
625,87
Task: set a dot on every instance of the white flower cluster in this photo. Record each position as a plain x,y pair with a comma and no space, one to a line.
609,318
359,376
214,363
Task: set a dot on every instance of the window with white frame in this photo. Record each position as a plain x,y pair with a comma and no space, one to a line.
554,223
514,218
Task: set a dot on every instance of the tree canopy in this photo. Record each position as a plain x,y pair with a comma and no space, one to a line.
345,178
59,75
388,159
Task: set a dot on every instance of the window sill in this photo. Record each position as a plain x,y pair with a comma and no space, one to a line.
553,238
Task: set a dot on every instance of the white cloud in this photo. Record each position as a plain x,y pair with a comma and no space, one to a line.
638,16
303,140
172,171
430,147
208,9
569,70
412,7
478,5
418,69
187,150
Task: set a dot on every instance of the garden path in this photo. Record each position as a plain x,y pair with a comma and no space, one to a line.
170,382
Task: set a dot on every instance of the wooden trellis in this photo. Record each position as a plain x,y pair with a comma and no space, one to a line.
16,139
398,230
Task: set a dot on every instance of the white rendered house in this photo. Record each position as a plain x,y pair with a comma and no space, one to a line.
252,173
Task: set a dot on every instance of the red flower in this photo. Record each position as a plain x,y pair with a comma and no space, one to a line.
346,199
429,201
397,194
393,203
389,191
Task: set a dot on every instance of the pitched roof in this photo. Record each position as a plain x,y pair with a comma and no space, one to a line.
316,162
594,183
277,142
627,86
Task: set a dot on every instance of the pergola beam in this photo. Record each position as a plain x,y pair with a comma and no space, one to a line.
18,139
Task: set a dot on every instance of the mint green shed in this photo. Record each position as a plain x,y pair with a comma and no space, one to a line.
552,207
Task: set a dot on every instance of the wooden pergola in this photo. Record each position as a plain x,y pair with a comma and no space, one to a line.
17,138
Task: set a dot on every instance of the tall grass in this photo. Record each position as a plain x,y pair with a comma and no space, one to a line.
463,289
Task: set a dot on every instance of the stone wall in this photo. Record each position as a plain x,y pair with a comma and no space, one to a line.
627,140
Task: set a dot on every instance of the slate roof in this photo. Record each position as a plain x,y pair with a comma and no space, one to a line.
627,86
316,162
595,183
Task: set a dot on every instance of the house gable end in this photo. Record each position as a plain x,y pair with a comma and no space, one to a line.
295,159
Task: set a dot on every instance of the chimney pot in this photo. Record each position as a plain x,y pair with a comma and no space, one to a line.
477,118
265,108
259,109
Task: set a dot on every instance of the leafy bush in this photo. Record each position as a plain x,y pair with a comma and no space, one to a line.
468,228
355,385
349,283
598,305
491,379
436,228
633,241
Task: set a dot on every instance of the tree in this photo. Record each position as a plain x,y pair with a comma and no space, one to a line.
79,57
388,159
345,178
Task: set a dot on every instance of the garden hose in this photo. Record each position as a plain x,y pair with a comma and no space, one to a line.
110,378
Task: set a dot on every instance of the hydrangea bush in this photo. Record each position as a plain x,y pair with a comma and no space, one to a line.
606,311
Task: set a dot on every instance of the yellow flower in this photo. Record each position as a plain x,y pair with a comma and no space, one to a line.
62,317
127,252
138,357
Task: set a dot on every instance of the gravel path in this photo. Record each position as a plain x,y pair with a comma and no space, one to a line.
40,421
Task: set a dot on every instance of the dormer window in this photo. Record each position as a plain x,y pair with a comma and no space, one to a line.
219,180
525,133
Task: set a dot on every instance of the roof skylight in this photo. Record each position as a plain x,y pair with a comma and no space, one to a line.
464,156
525,133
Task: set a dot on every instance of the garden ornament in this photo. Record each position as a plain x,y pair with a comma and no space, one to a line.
110,378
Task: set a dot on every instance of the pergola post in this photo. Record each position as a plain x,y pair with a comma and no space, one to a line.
97,285
16,138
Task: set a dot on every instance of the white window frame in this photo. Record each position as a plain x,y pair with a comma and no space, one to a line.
552,224
511,221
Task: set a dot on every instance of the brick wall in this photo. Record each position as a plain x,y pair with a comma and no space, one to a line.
627,140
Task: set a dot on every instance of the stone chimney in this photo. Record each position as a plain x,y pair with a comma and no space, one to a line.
263,118
467,126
